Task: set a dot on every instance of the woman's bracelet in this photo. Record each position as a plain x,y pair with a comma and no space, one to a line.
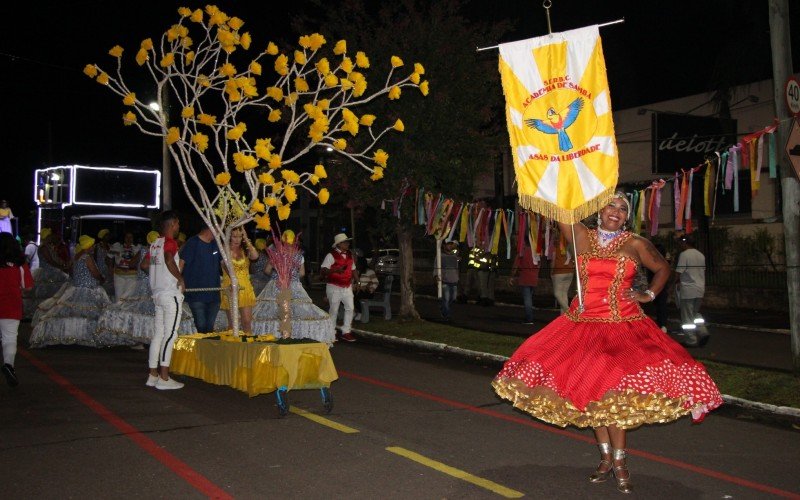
650,294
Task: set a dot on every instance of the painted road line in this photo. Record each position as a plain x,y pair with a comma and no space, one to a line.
322,420
191,476
456,473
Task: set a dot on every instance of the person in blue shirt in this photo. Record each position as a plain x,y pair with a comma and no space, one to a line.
200,261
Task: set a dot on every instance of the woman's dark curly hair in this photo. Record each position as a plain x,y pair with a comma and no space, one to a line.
10,251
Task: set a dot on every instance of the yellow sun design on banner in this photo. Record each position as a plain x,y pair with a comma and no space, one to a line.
558,111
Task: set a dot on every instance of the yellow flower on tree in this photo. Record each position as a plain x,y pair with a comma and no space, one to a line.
245,41
201,141
362,61
316,41
331,80
367,120
275,161
414,78
423,87
264,148
290,99
266,179
396,62
90,70
147,44
130,99
282,65
197,16
258,207
346,84
236,132
299,57
399,126
187,112
394,93
290,176
102,79
186,42
300,84
129,118
340,144
377,173
340,47
244,161
323,196
277,187
290,193
272,49
347,65
274,115
262,222
284,211
168,60
380,157
270,201
323,66
359,88
419,68
228,70
222,179
275,93
206,119
319,171
116,51
323,104
188,57
255,68
314,179
235,23
184,11
142,56
173,136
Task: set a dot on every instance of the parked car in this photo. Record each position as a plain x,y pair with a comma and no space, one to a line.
388,261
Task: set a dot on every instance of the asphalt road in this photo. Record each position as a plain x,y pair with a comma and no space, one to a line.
404,425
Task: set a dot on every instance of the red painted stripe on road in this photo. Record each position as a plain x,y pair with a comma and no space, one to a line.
578,437
194,478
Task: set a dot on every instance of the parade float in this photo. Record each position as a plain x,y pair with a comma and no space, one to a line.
244,125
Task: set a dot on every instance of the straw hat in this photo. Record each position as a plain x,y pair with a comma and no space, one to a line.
85,242
103,233
288,236
340,238
152,236
261,243
45,232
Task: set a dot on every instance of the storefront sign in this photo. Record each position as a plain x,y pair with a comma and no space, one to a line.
684,141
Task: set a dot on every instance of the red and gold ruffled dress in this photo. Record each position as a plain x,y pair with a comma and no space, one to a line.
608,364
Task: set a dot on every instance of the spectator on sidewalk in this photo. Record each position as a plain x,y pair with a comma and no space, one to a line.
15,276
338,269
525,274
660,302
367,284
449,276
482,268
691,287
561,274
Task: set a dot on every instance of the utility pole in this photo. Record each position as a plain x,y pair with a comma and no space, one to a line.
780,40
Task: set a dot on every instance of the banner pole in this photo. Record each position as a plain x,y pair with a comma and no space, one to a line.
603,25
577,269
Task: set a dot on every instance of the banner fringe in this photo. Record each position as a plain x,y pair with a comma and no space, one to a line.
566,215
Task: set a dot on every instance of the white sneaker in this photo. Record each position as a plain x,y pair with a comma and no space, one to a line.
357,317
151,380
170,383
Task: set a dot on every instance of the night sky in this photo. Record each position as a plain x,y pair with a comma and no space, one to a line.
55,115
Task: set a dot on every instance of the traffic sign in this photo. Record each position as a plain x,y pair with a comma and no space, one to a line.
793,146
792,94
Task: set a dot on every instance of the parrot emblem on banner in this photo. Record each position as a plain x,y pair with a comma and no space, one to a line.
558,123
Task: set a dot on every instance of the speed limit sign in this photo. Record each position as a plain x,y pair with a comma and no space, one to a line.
793,95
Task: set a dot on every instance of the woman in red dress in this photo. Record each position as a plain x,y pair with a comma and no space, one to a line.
607,365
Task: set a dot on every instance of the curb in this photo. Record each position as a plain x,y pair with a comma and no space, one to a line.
470,355
751,328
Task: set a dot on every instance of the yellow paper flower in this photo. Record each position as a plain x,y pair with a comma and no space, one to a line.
282,64
186,42
142,56
359,88
255,68
147,44
201,141
218,17
331,80
323,196
396,62
319,171
380,157
173,33
323,104
340,47
90,70
270,201
258,207
299,57
284,211
394,93
262,222
340,144
414,78
314,179
290,176
228,70
272,49
348,116
189,57
129,118
290,193
347,65
346,84
266,179
316,41
351,127
102,79
300,84
236,132
264,148
184,11
130,99
323,66
274,115
377,173
398,125
275,93
173,136
367,120
423,87
206,119
203,81
290,99
116,51
245,41
187,112
235,23
362,61
276,188
197,16
167,60
275,161
222,179
419,68
244,161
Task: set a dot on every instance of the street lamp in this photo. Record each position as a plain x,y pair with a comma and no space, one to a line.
166,176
